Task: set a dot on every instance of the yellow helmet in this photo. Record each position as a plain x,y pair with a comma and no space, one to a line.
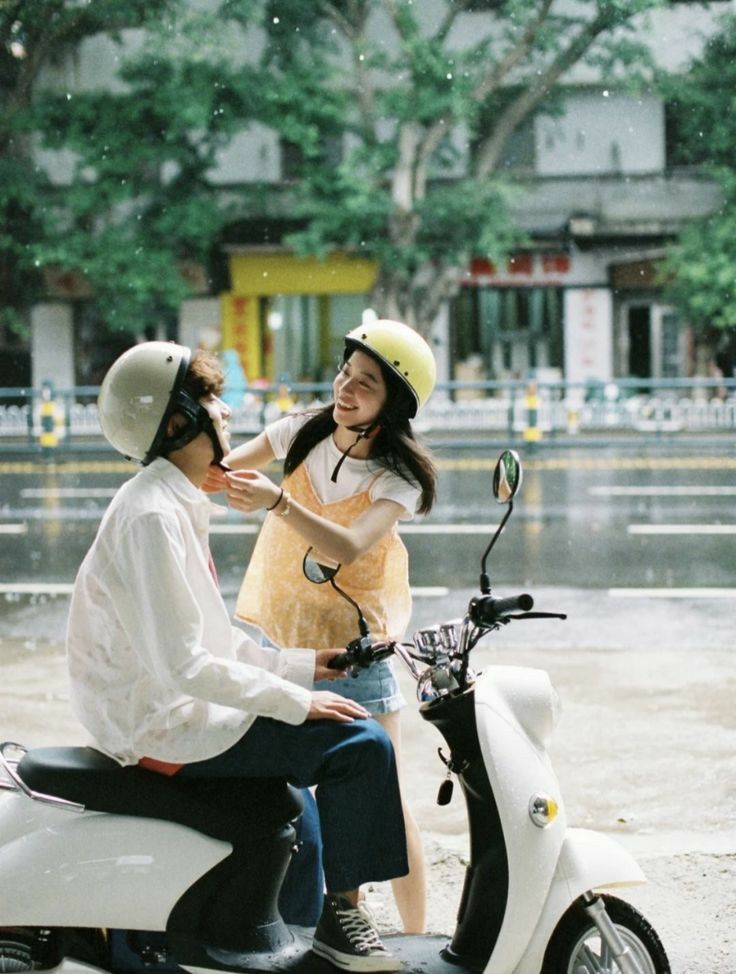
403,350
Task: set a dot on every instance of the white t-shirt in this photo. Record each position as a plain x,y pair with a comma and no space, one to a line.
354,476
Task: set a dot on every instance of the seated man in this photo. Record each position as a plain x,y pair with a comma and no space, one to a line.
160,677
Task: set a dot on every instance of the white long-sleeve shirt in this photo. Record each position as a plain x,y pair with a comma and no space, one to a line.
156,668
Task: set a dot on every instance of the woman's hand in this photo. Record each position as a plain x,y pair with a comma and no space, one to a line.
322,658
331,706
250,490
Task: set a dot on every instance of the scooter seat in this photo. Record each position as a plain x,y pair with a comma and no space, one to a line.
230,809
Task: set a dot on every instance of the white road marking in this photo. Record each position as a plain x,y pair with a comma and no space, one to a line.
36,588
65,588
681,529
663,491
446,528
41,493
672,593
254,528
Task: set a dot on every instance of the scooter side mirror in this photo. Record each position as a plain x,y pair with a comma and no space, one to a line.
506,483
507,477
317,571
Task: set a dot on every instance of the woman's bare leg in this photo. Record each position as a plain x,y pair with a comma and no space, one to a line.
410,892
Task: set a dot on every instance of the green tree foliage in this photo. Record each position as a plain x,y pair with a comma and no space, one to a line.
700,270
138,204
397,114
424,99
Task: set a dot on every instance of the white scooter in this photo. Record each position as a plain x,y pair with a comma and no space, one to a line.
109,869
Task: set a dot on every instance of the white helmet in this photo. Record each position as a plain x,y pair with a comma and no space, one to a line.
138,396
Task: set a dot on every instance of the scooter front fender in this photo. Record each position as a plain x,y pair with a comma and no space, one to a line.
61,868
588,861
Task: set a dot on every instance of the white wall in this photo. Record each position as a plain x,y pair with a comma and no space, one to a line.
252,156
52,345
199,322
602,132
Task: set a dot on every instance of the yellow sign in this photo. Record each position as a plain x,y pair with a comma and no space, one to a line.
267,275
241,331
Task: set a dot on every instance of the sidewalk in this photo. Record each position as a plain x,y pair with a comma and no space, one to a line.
645,749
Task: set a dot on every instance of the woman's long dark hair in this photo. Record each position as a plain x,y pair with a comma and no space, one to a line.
394,447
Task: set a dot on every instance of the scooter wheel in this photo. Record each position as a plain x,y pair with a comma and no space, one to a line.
576,942
16,953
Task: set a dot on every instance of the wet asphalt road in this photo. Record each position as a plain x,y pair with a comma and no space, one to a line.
588,518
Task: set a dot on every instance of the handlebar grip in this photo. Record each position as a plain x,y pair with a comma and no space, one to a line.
341,662
487,610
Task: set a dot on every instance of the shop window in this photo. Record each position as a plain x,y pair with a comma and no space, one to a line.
681,149
510,330
294,161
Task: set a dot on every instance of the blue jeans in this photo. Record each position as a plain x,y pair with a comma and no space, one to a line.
354,769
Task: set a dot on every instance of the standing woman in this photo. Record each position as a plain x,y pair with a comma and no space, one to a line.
352,470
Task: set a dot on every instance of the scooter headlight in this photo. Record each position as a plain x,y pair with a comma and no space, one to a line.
542,810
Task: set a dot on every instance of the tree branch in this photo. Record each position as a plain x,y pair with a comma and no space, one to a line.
493,78
514,55
529,98
444,285
453,12
364,89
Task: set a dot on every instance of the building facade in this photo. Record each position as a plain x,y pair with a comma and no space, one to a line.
598,200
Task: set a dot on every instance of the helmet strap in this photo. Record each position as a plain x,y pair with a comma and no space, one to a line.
364,433
197,420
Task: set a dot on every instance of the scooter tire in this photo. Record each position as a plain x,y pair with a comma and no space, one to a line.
16,952
576,932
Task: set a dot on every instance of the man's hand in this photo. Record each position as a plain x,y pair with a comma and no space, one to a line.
322,658
331,706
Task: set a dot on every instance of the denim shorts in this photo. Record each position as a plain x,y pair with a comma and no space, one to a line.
375,688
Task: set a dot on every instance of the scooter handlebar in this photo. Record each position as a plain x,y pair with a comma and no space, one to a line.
341,662
360,653
487,610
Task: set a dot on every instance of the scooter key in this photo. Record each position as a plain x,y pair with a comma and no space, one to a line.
444,795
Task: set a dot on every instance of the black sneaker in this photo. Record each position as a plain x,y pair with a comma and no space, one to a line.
346,937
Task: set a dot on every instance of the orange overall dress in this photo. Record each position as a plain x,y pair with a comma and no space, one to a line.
293,612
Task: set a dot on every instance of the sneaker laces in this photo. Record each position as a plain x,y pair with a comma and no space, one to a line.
367,910
358,929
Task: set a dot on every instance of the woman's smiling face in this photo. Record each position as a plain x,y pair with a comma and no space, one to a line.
359,390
